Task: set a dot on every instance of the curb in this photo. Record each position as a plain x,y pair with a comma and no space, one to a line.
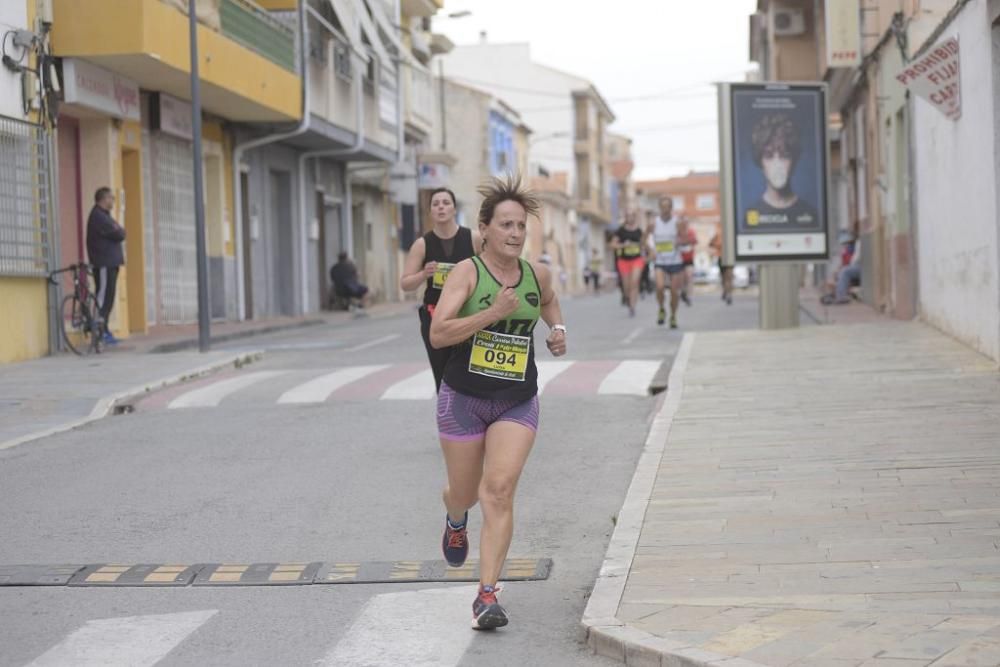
189,343
105,404
606,634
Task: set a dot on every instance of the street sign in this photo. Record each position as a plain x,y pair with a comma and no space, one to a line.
774,177
937,77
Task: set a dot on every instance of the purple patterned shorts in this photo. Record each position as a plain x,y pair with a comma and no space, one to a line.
465,418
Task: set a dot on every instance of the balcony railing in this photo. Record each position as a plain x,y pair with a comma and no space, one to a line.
254,28
419,89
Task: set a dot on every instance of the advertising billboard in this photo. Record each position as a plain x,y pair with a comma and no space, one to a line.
775,170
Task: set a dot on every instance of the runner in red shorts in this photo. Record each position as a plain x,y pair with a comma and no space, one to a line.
630,240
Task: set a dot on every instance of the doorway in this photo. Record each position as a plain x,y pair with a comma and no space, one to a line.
131,204
282,258
247,245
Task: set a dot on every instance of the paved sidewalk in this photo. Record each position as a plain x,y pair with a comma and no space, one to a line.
824,496
54,394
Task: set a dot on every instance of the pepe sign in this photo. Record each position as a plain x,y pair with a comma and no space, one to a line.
936,76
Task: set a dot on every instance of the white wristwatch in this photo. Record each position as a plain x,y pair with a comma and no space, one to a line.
559,327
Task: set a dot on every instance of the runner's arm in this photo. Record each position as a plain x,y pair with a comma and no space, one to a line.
415,272
551,311
447,328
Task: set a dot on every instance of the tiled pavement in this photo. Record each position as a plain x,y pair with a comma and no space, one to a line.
826,496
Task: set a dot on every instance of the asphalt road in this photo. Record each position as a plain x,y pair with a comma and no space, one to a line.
224,471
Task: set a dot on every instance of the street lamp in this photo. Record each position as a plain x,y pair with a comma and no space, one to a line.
444,127
199,197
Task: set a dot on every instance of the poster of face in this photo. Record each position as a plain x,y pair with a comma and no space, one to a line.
779,163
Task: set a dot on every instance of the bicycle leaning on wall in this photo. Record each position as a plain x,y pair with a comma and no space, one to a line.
79,316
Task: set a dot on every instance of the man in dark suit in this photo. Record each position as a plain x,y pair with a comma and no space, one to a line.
104,248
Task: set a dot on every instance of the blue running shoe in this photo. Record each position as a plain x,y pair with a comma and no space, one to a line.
487,614
455,543
109,339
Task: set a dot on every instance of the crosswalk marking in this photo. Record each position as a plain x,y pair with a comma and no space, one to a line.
213,394
319,389
138,641
400,382
417,628
373,343
548,370
419,386
630,377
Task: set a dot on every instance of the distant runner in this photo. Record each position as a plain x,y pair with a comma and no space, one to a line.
430,259
628,241
667,231
687,258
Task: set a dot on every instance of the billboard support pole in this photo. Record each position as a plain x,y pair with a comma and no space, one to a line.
779,295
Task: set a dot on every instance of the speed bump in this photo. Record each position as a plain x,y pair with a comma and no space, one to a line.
37,575
257,574
264,574
403,571
145,574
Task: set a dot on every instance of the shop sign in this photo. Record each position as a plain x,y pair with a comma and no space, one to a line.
936,76
433,175
171,116
843,33
96,88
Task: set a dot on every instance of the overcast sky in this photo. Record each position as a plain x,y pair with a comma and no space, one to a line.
667,50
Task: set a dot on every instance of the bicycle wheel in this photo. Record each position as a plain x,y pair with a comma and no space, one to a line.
71,323
94,324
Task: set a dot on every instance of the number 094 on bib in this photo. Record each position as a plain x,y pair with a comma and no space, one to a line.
500,355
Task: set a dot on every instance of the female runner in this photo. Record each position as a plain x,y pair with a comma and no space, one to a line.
487,408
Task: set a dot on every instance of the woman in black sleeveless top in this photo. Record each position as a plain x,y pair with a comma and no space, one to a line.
430,259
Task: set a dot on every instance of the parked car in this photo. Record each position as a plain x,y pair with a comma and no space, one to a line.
741,276
705,275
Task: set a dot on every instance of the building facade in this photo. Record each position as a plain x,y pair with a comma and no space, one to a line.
28,226
917,186
569,120
313,114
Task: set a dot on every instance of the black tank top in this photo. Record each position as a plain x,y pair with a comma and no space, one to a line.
435,251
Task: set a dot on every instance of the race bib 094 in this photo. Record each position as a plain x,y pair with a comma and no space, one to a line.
500,355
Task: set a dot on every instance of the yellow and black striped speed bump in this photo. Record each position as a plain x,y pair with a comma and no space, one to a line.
400,571
263,574
136,575
257,574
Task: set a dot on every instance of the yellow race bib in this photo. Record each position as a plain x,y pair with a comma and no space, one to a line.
441,274
631,250
500,355
665,246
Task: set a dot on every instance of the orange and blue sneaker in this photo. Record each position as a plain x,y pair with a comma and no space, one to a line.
455,543
487,614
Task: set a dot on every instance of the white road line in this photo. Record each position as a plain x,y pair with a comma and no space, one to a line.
629,377
632,336
426,628
319,389
136,641
212,395
548,370
373,343
415,387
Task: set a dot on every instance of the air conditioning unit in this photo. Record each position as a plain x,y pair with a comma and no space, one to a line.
789,21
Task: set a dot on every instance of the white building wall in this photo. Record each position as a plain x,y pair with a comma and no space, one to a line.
956,199
542,95
13,16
